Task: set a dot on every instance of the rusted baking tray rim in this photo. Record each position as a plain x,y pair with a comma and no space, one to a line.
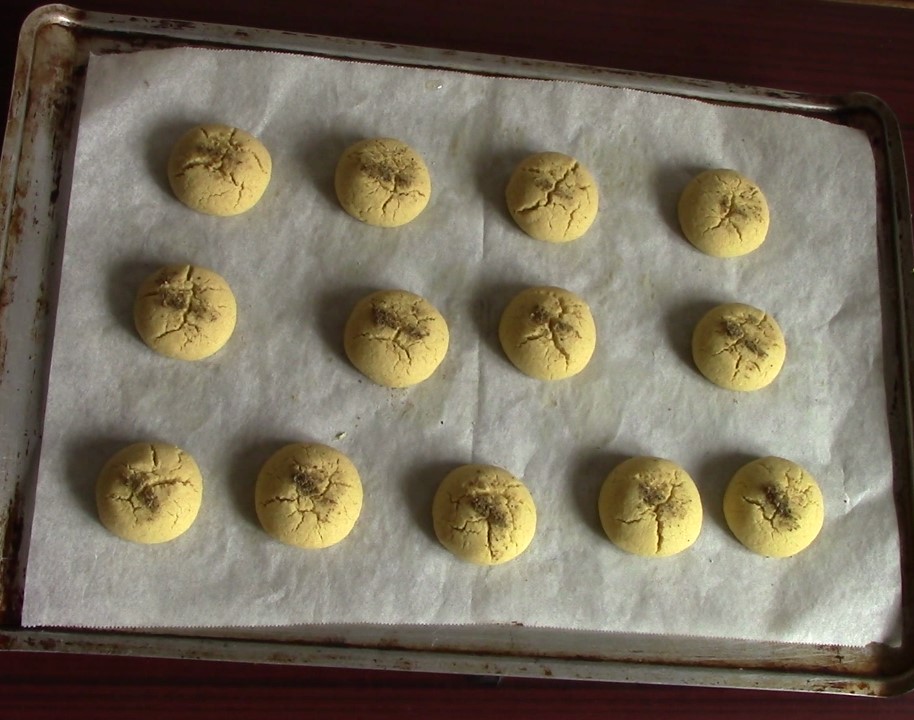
53,51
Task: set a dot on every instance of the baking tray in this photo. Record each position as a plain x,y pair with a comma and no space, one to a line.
36,163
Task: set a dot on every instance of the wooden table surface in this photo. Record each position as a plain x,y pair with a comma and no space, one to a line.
809,46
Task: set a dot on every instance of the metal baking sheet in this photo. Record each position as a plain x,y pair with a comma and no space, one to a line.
37,154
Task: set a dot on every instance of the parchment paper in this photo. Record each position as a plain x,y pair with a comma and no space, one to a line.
297,264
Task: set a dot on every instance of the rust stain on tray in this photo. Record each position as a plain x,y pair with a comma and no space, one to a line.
10,599
6,297
51,102
2,353
46,89
6,292
42,309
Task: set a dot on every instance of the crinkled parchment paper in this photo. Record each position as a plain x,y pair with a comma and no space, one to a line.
297,264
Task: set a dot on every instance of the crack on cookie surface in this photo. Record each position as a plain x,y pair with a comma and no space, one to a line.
488,515
145,486
553,187
384,316
185,301
777,498
491,509
553,328
743,344
781,500
138,483
658,502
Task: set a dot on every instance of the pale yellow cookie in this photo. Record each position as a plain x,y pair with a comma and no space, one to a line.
723,213
309,496
382,182
738,347
219,170
548,333
774,507
650,507
483,514
149,493
395,338
185,312
552,197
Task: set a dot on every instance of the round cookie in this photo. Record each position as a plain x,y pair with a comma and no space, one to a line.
382,182
483,514
185,312
219,170
650,507
774,507
723,213
149,493
738,347
548,333
395,338
309,496
552,197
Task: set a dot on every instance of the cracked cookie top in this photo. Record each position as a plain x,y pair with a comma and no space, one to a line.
395,338
738,347
149,493
382,182
552,197
650,507
185,312
483,514
548,333
723,213
774,507
308,495
219,170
